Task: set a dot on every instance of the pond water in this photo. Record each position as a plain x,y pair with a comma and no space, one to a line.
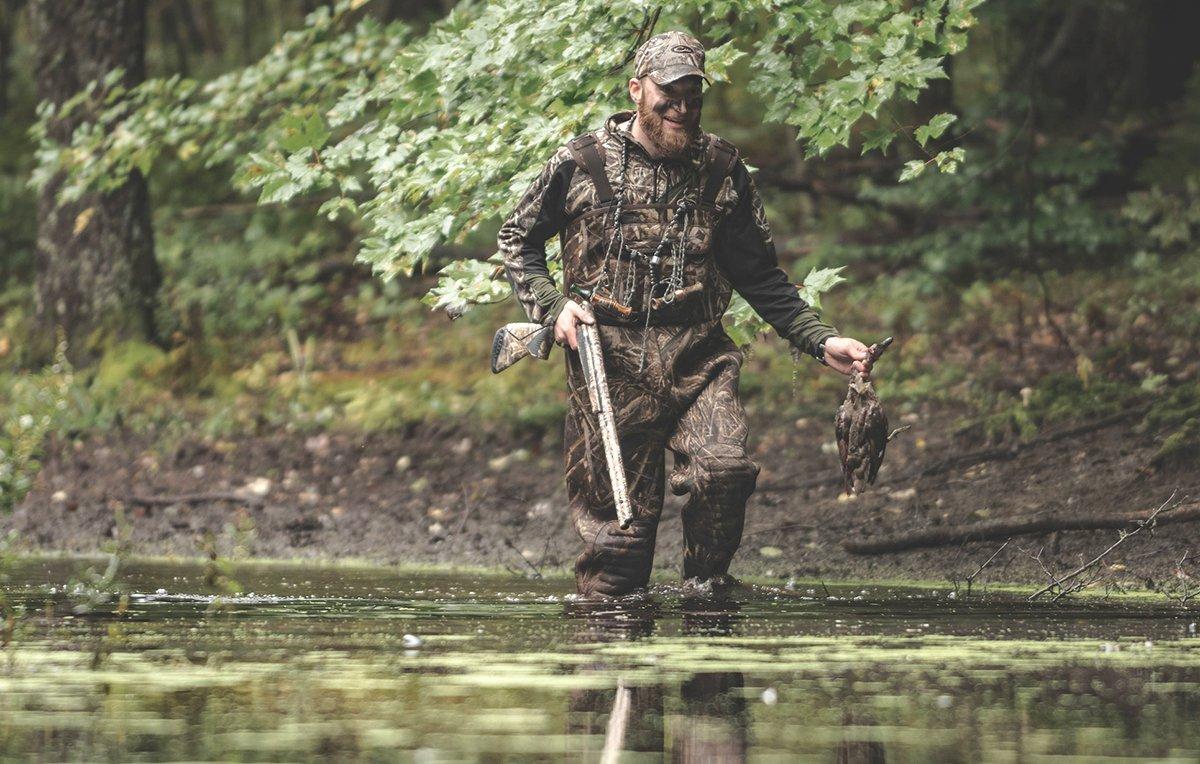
321,664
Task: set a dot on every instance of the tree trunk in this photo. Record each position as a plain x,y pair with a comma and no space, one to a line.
8,22
97,277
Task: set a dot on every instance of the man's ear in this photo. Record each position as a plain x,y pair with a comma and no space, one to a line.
635,89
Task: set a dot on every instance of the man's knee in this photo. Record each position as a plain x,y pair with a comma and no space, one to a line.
723,477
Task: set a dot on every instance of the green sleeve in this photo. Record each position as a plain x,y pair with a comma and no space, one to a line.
547,296
807,331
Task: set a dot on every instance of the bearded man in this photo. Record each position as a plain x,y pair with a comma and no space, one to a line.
658,221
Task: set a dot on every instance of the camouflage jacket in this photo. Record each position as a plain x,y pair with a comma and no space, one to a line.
728,243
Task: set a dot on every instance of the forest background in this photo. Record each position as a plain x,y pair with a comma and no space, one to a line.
189,262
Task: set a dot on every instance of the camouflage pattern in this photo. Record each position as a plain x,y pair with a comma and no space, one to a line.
685,400
517,340
516,228
651,193
669,56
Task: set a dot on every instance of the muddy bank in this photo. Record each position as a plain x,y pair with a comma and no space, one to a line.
447,495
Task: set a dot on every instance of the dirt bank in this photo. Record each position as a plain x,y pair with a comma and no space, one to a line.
447,495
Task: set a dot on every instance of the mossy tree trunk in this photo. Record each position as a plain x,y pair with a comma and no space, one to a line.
97,277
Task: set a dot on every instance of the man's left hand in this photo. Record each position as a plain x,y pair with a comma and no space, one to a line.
847,355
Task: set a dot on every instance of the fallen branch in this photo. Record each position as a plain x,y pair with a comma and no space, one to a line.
195,498
993,530
1057,583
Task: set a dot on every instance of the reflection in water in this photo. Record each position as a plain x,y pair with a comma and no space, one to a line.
316,666
707,722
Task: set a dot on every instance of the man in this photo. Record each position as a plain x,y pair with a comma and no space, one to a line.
657,222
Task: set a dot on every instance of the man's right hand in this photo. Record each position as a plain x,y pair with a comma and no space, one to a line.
571,316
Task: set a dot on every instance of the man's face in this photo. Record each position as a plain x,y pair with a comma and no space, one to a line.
669,114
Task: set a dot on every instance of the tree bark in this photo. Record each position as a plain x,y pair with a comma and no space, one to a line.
97,277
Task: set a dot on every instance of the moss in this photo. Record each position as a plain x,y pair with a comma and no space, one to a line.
130,366
1181,448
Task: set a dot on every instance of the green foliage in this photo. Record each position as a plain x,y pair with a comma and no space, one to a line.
36,405
425,137
1169,221
1181,448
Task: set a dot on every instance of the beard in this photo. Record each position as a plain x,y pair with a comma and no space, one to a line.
667,141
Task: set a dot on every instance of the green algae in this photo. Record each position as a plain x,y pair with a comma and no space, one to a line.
356,663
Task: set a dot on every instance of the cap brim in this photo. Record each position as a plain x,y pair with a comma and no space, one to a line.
672,73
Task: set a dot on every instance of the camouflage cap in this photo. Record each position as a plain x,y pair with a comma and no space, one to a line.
669,56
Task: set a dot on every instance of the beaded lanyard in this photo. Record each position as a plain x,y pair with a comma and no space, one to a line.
684,213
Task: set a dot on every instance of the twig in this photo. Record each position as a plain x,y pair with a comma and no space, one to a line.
1125,536
195,498
897,431
971,578
778,528
536,573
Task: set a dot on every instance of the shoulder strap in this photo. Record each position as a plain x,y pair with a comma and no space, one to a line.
587,153
721,156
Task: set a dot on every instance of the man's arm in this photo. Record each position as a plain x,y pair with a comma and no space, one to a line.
522,239
746,254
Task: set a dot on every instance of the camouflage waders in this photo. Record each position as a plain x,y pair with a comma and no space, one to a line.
672,375
686,400
677,236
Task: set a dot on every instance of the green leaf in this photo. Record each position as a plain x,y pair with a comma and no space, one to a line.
935,128
912,170
817,282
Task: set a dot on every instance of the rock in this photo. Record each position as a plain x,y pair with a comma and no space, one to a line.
258,487
904,494
801,423
771,552
59,497
1026,396
501,463
317,445
337,511
437,513
462,447
198,471
843,497
419,485
829,447
309,496
404,463
437,531
540,508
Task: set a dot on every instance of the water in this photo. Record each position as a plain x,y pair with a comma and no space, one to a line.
321,664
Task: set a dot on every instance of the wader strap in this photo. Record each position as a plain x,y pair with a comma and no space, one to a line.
721,156
588,154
